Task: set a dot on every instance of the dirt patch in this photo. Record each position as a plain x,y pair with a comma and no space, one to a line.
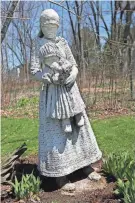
87,191
95,196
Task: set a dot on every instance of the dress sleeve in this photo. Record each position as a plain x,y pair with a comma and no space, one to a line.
37,71
36,64
69,54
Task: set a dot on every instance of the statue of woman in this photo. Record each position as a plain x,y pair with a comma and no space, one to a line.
61,151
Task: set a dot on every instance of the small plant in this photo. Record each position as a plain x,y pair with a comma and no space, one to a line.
122,167
117,165
34,100
22,102
120,187
127,188
25,101
27,187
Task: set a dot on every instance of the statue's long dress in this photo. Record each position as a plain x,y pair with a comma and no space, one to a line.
62,153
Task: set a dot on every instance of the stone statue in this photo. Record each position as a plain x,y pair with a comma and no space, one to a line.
66,139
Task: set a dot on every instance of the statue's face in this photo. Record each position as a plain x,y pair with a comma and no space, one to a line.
50,60
49,30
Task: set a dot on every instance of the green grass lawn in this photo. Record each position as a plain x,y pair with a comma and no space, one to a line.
116,134
113,135
16,131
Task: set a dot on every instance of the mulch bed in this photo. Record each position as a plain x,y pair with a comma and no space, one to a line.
51,194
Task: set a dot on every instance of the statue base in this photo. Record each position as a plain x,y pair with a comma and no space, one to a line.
86,185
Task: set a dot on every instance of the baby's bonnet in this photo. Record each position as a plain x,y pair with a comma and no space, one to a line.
58,48
50,49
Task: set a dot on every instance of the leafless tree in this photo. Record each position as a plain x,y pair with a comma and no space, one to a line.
10,13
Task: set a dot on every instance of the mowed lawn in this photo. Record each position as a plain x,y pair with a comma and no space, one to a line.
113,134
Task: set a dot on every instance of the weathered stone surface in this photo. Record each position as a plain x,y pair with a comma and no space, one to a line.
86,185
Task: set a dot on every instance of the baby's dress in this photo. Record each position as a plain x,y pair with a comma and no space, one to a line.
59,103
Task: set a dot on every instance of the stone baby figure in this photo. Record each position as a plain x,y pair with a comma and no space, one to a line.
57,69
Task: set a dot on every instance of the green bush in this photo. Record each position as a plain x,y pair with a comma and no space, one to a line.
27,187
26,101
117,165
122,167
127,188
22,102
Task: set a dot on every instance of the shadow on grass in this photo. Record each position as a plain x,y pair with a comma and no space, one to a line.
16,141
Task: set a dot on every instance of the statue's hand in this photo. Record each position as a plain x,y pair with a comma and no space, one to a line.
46,78
72,78
55,66
34,70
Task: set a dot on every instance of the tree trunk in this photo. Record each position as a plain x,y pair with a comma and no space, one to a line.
8,19
132,72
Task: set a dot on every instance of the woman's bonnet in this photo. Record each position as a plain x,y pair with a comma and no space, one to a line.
48,16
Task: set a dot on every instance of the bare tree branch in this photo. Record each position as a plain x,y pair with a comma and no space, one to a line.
16,18
11,48
59,4
8,19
